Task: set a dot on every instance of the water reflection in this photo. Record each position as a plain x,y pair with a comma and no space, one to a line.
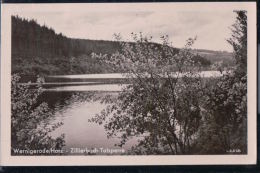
75,109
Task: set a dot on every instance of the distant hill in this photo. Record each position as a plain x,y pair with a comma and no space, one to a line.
39,50
216,56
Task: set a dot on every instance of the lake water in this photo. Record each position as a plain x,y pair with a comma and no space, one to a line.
120,75
75,114
79,132
108,87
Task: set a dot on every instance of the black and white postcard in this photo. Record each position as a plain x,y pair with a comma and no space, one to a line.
128,83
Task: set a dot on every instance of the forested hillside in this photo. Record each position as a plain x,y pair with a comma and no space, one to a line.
39,50
216,56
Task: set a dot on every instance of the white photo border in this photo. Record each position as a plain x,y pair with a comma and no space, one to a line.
5,143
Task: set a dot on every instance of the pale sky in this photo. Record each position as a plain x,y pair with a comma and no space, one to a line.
212,27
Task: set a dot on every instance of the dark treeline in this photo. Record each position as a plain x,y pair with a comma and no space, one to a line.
38,50
216,56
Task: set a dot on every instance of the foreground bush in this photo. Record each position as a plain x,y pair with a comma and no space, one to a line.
30,120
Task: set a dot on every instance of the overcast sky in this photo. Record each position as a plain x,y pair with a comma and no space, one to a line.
212,28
